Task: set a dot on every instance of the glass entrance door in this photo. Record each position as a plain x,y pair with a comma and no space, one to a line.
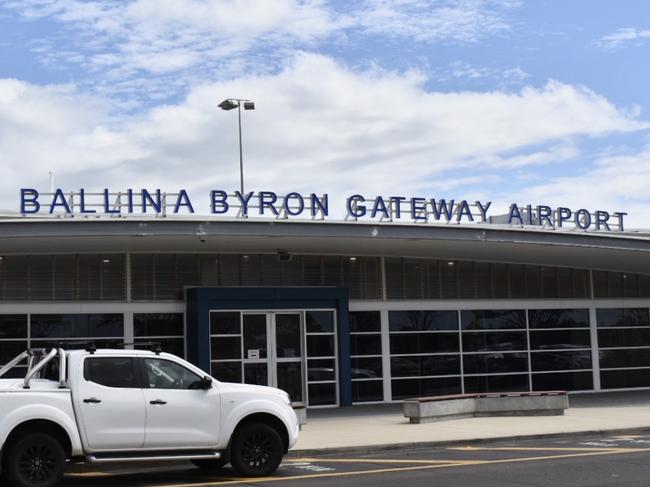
273,352
292,350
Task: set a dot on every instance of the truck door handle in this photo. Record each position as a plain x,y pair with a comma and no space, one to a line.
92,400
158,402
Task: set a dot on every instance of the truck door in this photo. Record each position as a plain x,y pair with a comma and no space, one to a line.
111,403
179,412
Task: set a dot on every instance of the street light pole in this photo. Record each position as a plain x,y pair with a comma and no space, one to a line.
229,104
241,155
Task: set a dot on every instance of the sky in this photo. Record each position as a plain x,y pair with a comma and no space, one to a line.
528,102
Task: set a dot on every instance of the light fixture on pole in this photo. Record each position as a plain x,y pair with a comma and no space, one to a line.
229,104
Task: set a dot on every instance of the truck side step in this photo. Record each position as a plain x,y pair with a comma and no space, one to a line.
150,456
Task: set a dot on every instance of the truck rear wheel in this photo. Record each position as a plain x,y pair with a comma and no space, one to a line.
256,450
35,460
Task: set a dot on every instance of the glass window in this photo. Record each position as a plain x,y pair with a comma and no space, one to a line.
559,339
226,348
415,366
227,371
254,328
422,320
10,350
158,324
493,319
322,394
561,360
365,321
256,373
110,371
367,391
611,359
365,344
496,383
225,322
320,345
631,337
406,388
622,379
366,368
164,374
287,335
566,381
558,318
320,321
418,343
495,363
483,342
13,326
321,370
290,379
77,326
622,317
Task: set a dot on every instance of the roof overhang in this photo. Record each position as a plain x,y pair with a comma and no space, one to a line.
621,252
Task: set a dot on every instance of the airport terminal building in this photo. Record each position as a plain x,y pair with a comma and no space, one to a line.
355,310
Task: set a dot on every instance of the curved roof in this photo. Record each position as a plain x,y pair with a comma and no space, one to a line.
628,252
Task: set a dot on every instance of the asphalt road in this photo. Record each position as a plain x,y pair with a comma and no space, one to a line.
588,461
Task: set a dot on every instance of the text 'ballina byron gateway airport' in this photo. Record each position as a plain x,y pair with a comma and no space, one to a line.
338,301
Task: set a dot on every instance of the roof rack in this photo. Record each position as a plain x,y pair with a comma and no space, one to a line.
155,347
88,346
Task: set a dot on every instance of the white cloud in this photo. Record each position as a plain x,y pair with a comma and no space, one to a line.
317,127
176,44
614,183
435,20
627,35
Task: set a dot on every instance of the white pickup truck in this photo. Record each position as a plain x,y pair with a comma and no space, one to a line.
98,406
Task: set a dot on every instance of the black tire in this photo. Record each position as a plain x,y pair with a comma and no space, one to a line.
256,450
210,465
35,460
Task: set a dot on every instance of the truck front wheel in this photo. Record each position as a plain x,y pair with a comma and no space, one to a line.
256,450
35,460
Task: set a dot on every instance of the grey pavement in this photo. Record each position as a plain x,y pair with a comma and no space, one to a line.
383,425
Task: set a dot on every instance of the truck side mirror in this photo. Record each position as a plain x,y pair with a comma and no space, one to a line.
206,382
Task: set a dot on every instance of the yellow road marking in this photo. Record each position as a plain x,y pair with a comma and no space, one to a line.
407,469
516,448
627,437
373,460
89,474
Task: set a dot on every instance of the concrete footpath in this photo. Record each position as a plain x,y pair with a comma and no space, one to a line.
384,425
